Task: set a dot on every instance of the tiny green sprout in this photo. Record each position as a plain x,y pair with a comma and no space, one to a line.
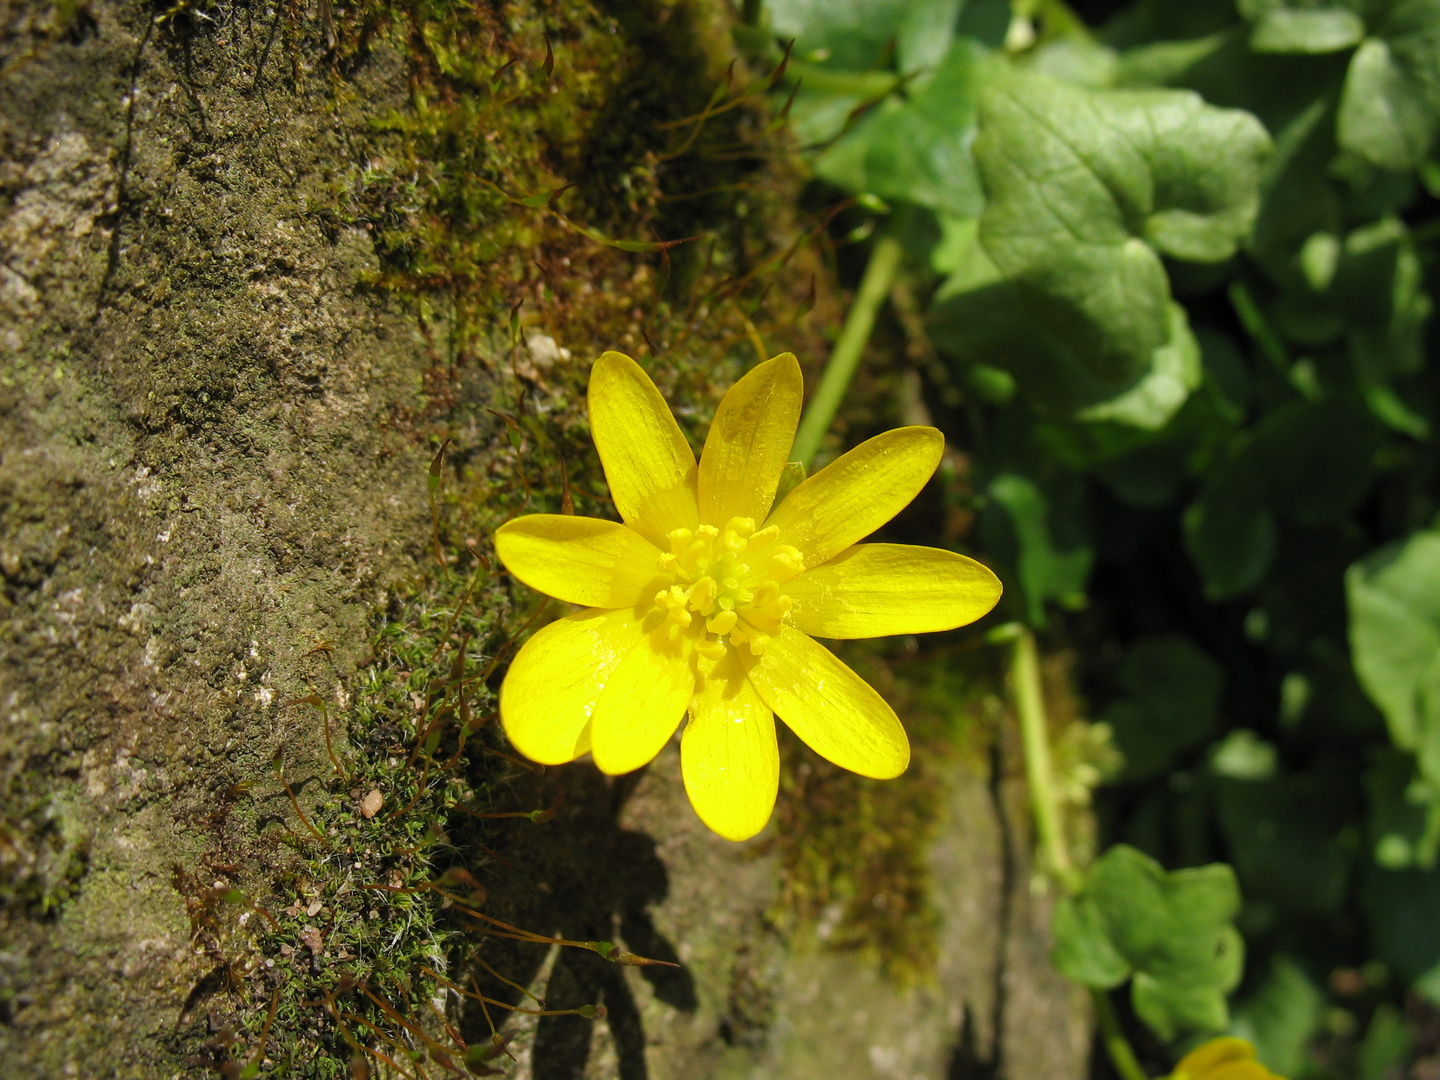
515,309
543,199
475,1059
483,1052
432,479
542,816
512,427
592,1012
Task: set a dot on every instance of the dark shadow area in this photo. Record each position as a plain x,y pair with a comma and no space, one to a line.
583,878
966,1063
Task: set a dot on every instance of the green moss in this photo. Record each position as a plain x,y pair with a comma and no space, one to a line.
328,940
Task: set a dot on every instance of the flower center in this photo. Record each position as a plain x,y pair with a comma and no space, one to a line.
731,580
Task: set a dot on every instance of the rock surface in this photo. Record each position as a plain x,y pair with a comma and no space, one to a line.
754,1006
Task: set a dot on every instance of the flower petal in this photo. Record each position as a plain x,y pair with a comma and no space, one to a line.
749,442
1218,1057
648,464
641,706
871,590
834,711
580,560
728,754
857,492
551,689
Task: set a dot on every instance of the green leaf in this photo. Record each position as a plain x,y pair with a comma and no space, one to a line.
853,35
1229,532
1083,950
1172,704
1317,459
1151,403
1310,461
1402,909
1283,845
1307,30
1391,103
1171,930
1044,569
1394,597
1170,1008
1395,825
1281,1017
1086,190
917,150
923,38
1386,1045
816,118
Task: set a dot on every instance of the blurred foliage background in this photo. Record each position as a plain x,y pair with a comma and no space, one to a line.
1167,270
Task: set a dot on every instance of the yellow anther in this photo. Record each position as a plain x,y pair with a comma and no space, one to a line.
735,605
703,593
722,623
788,558
711,649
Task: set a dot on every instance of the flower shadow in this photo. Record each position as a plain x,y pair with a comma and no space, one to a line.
584,878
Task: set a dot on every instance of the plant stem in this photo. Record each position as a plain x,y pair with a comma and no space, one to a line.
845,357
1045,807
870,85
1039,772
1118,1047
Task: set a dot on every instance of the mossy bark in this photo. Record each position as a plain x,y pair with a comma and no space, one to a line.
220,387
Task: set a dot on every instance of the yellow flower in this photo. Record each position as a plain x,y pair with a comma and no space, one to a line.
704,600
1225,1058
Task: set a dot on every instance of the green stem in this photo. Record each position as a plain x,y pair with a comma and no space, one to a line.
845,357
1259,329
870,85
1039,772
1116,1045
1045,807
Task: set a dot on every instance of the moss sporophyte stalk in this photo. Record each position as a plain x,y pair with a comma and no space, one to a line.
706,600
